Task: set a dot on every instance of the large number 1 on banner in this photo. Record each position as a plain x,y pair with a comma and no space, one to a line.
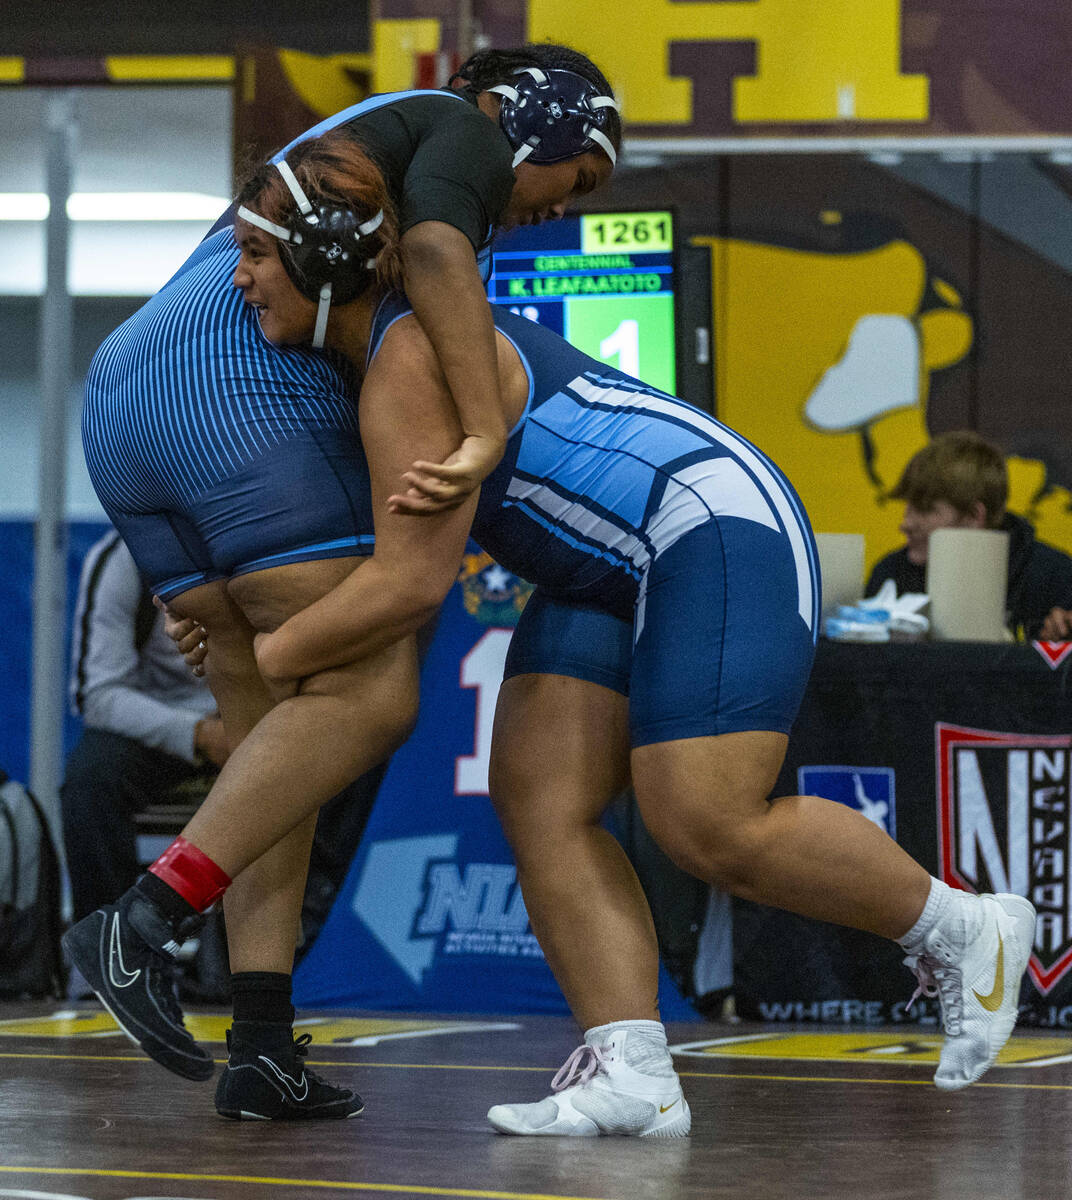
481,668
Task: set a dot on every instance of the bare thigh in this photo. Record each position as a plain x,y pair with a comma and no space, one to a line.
268,598
560,754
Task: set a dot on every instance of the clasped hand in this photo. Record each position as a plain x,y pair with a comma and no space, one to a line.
439,487
192,640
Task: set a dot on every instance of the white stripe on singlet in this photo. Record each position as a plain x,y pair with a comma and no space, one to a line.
751,462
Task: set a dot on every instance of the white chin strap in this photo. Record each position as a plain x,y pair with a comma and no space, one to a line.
321,327
288,235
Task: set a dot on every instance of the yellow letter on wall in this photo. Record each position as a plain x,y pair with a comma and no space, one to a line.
816,60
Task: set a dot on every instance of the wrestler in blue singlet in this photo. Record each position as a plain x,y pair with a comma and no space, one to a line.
214,452
673,562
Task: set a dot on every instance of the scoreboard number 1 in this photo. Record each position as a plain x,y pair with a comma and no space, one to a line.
605,233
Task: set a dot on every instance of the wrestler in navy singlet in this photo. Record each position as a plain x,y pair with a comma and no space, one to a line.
214,452
672,560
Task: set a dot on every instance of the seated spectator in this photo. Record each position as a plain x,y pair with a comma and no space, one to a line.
151,727
959,481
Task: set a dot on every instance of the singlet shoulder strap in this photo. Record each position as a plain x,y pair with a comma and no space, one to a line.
393,307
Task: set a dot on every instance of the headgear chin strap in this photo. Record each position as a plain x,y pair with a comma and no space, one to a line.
324,258
553,115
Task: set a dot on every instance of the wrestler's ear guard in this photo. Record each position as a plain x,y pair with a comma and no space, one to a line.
325,255
549,116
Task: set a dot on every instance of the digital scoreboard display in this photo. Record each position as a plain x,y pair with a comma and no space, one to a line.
604,281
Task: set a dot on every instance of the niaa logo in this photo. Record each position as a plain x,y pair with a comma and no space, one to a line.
1003,801
414,900
490,593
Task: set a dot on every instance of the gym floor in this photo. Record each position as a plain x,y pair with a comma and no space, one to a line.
777,1112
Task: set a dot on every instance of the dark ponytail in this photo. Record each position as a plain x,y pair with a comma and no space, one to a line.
486,68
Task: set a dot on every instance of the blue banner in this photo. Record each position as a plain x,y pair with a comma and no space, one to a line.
16,611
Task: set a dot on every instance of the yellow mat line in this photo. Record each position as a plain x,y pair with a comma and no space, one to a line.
1020,1087
309,1062
336,1184
340,1062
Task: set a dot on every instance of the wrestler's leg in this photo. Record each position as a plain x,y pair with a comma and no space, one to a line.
721,659
307,748
704,800
559,756
263,806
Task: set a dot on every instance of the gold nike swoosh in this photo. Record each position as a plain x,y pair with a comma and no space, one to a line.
667,1107
992,1001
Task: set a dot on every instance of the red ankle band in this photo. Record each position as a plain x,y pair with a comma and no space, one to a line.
192,874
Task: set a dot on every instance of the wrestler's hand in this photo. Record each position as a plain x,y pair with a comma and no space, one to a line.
189,636
438,487
1057,627
210,740
279,688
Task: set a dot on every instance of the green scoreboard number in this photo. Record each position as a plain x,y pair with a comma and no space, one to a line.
634,334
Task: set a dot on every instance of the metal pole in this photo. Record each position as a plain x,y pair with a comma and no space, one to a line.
50,540
465,29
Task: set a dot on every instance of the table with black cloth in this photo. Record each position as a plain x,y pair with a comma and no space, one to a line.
964,749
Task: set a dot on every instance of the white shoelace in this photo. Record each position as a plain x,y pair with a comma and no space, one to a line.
572,1071
934,979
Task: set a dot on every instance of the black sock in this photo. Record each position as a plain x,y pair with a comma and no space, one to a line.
166,899
262,997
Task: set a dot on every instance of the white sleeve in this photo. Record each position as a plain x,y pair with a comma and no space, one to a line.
105,657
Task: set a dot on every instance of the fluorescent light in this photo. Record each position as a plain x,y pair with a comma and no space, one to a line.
23,206
116,206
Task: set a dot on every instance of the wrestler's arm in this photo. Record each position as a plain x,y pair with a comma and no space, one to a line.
444,286
405,407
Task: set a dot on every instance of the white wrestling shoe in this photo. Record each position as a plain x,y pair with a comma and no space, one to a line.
600,1090
977,985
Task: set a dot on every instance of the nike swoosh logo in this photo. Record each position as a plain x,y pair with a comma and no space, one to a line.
124,978
992,1001
667,1107
292,1085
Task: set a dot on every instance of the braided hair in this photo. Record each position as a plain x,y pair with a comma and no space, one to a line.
487,68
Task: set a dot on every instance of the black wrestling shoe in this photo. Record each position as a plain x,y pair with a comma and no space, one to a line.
274,1085
126,952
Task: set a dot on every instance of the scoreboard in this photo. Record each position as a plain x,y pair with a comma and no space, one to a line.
604,281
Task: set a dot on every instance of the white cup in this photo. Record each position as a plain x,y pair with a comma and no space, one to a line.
967,580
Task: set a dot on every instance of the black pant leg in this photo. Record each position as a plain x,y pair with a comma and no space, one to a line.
109,778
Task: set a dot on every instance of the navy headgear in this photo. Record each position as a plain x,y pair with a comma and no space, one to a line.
553,115
324,258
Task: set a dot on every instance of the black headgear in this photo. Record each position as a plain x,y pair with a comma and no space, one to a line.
325,256
553,115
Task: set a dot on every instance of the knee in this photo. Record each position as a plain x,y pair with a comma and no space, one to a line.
513,796
506,787
400,722
722,852
390,725
540,817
